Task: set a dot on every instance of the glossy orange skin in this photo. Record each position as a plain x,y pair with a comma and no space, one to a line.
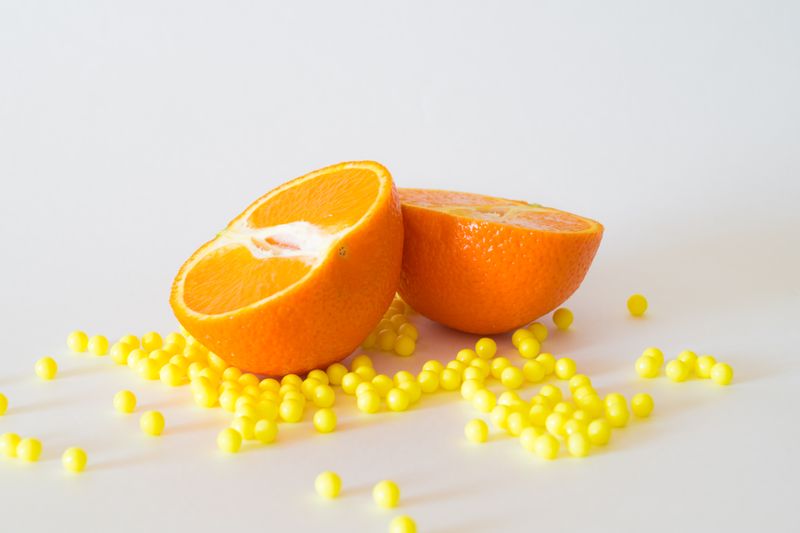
318,321
486,277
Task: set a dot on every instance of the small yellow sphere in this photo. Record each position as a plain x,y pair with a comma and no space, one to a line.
74,459
539,331
369,402
8,445
476,431
148,369
466,355
370,341
498,365
413,389
516,422
361,360
245,426
578,444
428,381
450,379
404,346
46,368
29,449
397,400
402,376
77,342
546,446
551,392
350,382
151,341
125,402
565,408
380,383
533,371
335,373
328,485
689,358
152,423
229,440
547,361
231,374
555,424
562,318
642,405
512,377
386,494
677,370
652,351
469,387
647,367
565,368
119,352
703,366
637,305
537,415
529,347
599,431
528,436
433,366
98,345
402,524
325,420
291,411
266,431
205,396
617,415
484,400
722,374
172,375
409,330
486,348
3,404
520,334
366,372
386,338
324,396
499,416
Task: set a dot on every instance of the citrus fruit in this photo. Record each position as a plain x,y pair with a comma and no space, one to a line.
301,277
488,265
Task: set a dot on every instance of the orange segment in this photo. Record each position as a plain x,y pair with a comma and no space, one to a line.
487,265
301,277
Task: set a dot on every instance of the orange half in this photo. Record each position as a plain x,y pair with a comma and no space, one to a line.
298,279
488,265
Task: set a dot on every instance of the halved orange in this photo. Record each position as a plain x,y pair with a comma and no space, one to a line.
487,265
300,278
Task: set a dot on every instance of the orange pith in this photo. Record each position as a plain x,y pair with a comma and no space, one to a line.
488,265
301,276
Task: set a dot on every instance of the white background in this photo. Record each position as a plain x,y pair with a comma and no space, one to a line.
131,132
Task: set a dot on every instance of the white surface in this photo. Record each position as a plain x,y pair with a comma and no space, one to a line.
131,133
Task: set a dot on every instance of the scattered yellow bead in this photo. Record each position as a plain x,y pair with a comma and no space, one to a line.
565,368
689,358
551,392
386,338
476,431
130,340
46,368
520,334
615,398
642,405
350,382
151,341
291,411
637,304
537,415
205,396
647,367
578,444
599,431
539,331
152,423
335,373
546,446
148,369
469,387
529,347
266,431
722,374
564,408
402,376
325,420
380,383
229,440
328,485
528,436
516,422
579,380
703,366
29,449
397,400
369,402
245,425
486,348
8,445
74,459
160,357
652,351
617,415
466,356
499,416
125,401
433,366
512,377
366,372
408,330
77,342
450,379
562,318
324,396
677,370
3,404
547,361
402,524
119,352
428,381
413,390
98,345
555,424
134,356
361,360
171,375
404,346
533,371
498,365
484,400
386,494
231,374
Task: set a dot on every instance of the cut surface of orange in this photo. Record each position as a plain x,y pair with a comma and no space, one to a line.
488,265
298,279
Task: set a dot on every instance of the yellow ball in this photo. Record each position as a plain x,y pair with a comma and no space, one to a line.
547,361
386,494
328,485
579,380
386,338
77,342
565,408
555,424
677,370
529,347
125,401
647,367
151,341
539,331
413,389
499,416
528,436
325,420
231,374
512,377
516,422
402,524
402,376
486,348
428,381
642,405
408,330
335,373
361,360
350,382
229,440
369,402
8,445
469,387
562,318
29,449
722,374
152,423
324,396
397,400
552,393
520,334
498,365
476,431
370,341
98,345
637,304
565,368
703,366
3,404
266,431
656,353
450,379
366,372
433,366
484,400
134,356
245,426
533,371
74,459
119,352
148,369
404,346
205,396
291,411
689,358
466,356
578,444
546,446
172,375
599,431
617,415
46,368
537,414
380,383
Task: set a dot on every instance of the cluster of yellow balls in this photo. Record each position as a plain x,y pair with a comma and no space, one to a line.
28,449
686,364
394,333
386,494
